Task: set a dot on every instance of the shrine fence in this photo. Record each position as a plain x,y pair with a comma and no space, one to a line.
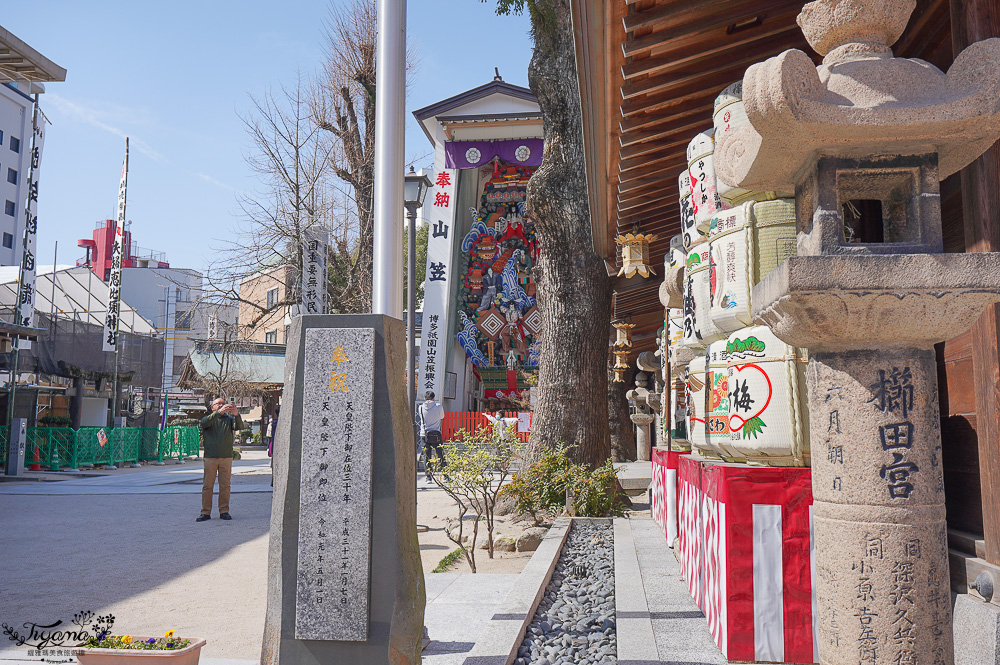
470,421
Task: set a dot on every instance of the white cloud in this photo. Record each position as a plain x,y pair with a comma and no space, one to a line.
95,117
218,183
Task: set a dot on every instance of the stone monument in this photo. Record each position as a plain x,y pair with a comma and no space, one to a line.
345,583
869,294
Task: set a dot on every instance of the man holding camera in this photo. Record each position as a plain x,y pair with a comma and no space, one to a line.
217,429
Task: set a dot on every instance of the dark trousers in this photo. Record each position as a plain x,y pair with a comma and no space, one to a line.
429,449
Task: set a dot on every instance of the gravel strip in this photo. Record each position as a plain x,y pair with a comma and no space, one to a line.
575,622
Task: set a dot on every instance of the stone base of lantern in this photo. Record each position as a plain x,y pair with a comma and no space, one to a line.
977,631
745,546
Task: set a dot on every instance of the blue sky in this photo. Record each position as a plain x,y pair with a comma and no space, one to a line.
175,76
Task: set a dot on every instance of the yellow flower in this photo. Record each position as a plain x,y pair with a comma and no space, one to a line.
169,634
127,639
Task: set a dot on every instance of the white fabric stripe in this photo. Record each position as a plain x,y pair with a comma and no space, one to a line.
723,580
671,490
768,594
812,574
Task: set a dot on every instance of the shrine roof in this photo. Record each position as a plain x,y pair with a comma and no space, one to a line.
19,62
429,115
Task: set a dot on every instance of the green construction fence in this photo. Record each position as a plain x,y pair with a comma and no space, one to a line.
55,447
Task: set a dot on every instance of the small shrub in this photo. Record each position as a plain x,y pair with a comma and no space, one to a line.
542,487
449,559
475,470
55,421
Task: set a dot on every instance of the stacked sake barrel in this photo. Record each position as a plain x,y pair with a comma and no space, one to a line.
745,388
768,422
676,411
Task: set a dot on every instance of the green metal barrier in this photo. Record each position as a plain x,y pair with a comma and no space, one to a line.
179,442
62,446
50,446
149,443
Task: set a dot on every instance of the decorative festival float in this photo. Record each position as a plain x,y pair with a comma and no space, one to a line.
480,329
500,325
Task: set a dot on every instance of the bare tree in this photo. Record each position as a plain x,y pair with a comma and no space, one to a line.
232,374
344,106
291,158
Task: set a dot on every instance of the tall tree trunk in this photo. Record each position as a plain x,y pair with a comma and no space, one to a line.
574,292
620,424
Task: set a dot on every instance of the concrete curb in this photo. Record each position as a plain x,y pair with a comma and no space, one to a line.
500,639
636,641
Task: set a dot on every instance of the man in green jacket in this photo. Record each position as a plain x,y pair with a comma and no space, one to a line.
217,430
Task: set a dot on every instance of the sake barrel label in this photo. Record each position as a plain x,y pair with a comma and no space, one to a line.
750,388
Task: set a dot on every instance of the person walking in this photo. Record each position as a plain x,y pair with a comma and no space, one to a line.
217,429
430,414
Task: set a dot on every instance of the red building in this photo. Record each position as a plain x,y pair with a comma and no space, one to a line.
101,246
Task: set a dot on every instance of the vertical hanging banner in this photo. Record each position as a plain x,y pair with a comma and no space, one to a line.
439,211
315,253
115,280
25,312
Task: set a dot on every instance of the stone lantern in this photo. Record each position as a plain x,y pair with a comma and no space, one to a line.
869,294
643,416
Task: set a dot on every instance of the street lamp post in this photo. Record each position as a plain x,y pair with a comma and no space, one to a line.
415,186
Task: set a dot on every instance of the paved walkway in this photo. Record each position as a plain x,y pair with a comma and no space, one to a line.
171,478
679,627
77,544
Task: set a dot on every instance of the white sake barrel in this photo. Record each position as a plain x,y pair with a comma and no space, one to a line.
748,242
697,258
696,407
717,402
677,253
688,231
705,199
678,411
702,278
675,326
768,409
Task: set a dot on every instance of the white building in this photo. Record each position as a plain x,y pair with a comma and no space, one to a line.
22,69
171,298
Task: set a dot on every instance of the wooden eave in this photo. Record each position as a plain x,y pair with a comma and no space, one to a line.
650,71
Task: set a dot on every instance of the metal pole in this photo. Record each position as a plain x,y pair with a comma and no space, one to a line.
411,323
387,277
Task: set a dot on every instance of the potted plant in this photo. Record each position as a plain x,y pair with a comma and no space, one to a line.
107,649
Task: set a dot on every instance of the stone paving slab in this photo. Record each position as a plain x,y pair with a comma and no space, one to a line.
679,626
459,606
634,476
636,640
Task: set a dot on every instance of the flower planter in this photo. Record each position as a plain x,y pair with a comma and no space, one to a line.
189,655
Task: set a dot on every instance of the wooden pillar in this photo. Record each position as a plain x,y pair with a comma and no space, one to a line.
972,21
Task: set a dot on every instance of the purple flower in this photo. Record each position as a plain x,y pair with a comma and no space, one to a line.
151,640
170,645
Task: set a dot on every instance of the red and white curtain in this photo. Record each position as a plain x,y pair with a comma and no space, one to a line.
746,548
